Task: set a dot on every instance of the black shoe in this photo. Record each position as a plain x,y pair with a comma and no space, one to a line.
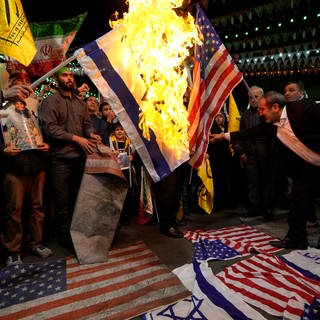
180,223
172,232
288,243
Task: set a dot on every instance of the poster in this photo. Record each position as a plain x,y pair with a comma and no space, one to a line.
20,127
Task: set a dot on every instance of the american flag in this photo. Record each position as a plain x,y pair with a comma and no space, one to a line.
131,282
214,77
228,243
279,288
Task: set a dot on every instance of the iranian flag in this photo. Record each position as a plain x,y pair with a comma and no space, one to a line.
52,40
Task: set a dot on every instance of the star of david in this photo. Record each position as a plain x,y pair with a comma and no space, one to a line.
194,314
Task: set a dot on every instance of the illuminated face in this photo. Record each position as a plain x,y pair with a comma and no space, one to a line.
270,113
292,92
66,80
107,113
92,104
119,133
254,96
219,119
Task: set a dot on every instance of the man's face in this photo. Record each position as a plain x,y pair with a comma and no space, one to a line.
107,112
270,113
92,104
292,92
254,96
66,81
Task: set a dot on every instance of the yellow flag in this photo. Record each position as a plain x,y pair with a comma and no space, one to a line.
234,117
205,192
16,40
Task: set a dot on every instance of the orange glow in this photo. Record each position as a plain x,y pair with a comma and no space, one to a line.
158,41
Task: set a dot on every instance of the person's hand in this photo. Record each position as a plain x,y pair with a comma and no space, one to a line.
11,151
84,88
217,137
44,147
95,137
89,146
17,92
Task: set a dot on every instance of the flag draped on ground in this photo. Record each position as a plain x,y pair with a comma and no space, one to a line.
124,89
132,282
53,39
228,243
16,40
287,286
214,77
211,299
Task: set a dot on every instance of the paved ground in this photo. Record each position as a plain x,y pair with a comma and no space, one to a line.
176,252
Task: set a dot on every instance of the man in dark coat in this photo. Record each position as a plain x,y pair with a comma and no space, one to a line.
293,137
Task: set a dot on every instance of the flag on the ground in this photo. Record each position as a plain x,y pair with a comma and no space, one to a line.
280,289
132,282
211,299
234,117
228,243
53,39
206,191
102,60
214,77
16,40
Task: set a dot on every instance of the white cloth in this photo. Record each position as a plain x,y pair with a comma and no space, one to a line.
286,135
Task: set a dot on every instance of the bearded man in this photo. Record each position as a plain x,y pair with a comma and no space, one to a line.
67,125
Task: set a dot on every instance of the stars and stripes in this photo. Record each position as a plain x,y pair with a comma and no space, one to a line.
214,77
271,284
228,243
132,282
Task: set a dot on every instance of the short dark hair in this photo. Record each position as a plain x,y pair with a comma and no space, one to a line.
273,97
102,104
300,84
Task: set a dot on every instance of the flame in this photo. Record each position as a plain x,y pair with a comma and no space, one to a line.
158,41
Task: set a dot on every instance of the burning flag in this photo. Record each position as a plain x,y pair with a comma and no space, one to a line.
139,68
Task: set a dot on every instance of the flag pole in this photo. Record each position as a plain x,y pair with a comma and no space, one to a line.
245,83
52,71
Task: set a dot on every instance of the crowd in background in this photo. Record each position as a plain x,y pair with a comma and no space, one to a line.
41,183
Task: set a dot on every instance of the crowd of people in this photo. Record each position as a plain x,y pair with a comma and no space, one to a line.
42,182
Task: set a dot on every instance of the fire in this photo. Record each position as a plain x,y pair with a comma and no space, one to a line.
158,41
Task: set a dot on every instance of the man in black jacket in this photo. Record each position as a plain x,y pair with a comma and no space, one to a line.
293,137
